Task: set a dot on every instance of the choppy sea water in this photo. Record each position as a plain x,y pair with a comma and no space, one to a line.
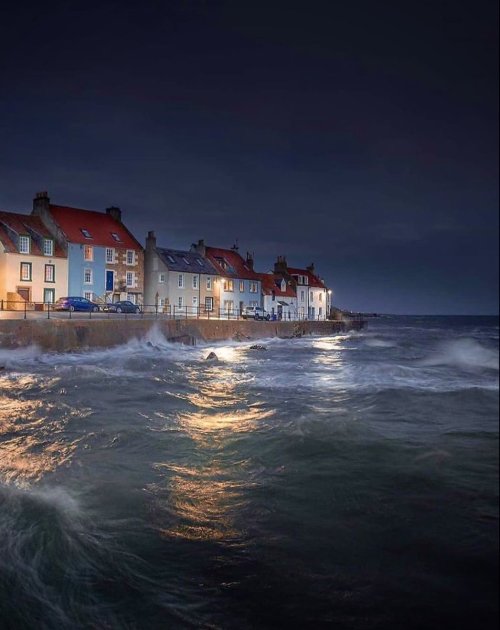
348,481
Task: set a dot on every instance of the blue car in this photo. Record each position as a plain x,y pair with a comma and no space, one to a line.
76,304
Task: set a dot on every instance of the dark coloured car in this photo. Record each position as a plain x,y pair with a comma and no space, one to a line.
75,304
124,306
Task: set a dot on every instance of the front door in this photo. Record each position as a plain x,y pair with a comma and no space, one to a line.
110,280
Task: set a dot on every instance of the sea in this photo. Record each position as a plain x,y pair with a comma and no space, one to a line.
346,481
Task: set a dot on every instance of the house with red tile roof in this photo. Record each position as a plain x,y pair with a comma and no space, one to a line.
105,261
313,296
237,285
279,296
33,266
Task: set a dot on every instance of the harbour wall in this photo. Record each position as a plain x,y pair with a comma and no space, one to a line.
76,334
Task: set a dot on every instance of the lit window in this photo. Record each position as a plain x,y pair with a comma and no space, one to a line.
87,276
88,252
253,287
195,282
50,273
180,281
24,244
228,285
242,285
48,247
25,272
110,255
130,257
129,278
85,233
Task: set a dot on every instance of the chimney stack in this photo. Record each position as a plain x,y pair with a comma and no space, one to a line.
151,240
115,213
199,247
250,261
280,265
41,203
310,268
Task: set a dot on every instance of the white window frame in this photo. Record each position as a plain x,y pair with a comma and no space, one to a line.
209,303
110,255
253,287
242,286
195,281
162,278
88,272
209,283
89,295
48,247
180,281
180,301
130,254
195,301
88,253
130,279
24,244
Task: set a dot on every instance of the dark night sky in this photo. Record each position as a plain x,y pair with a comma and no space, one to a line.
362,136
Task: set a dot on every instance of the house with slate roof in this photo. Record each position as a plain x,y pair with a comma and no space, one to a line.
33,266
179,282
105,261
313,296
279,296
239,285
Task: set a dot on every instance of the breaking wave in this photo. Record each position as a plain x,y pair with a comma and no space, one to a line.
465,353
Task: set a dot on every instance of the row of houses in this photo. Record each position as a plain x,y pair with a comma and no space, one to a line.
56,251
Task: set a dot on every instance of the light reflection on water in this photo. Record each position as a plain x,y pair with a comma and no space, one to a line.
242,486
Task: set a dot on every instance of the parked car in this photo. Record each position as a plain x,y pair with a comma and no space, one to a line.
255,312
123,306
76,304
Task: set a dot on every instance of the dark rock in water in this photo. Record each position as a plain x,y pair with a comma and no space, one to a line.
211,356
2,367
257,347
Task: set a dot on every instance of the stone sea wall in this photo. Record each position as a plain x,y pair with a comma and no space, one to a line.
77,334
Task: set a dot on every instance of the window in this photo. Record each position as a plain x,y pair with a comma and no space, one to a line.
24,244
50,273
320,297
209,303
116,237
48,247
200,262
131,297
49,296
88,252
85,233
228,306
253,287
195,301
209,283
273,296
25,274
171,259
302,296
253,303
181,301
306,280
87,276
186,260
110,255
130,278
130,257
311,296
161,278
242,286
228,285
320,311
195,282
180,281
88,295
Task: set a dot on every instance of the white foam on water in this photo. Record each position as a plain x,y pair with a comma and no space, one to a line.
464,353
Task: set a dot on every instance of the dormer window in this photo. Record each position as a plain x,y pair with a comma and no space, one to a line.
116,237
283,286
24,244
48,247
85,233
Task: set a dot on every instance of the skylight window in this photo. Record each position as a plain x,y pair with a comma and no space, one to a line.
85,233
200,262
186,260
171,258
116,237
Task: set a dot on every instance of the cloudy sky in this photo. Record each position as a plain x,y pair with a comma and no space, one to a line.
361,136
